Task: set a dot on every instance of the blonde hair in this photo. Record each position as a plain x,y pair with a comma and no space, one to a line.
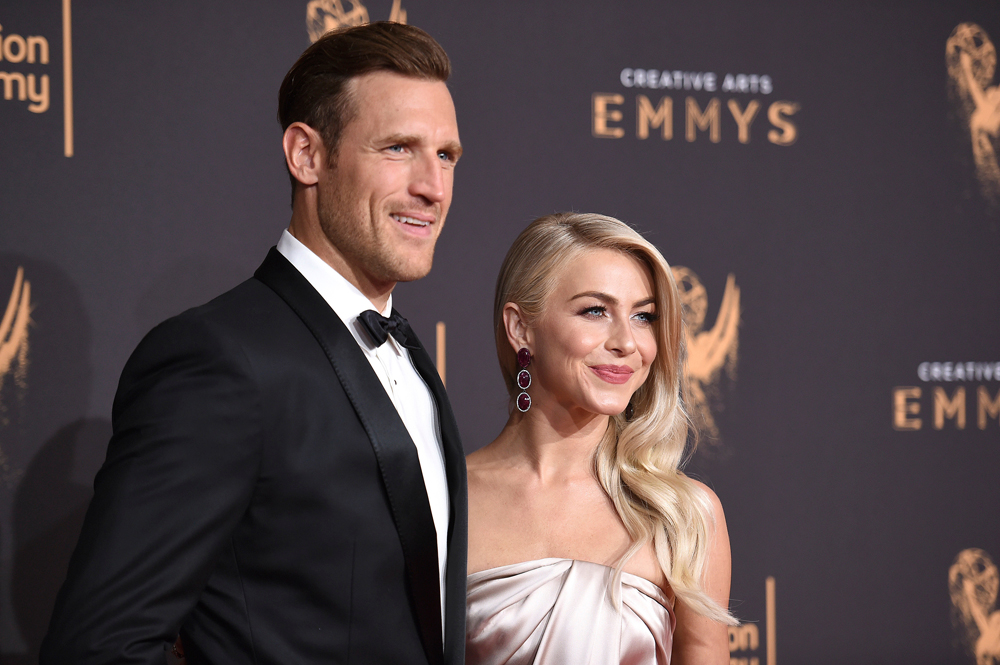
638,461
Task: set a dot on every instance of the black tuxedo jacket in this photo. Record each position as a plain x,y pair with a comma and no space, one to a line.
262,496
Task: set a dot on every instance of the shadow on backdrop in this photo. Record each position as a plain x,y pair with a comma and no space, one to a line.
48,454
55,491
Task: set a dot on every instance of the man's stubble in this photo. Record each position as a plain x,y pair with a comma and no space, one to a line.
353,227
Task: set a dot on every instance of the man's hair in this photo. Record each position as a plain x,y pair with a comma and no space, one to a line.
315,90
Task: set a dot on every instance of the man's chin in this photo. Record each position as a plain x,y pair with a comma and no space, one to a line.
414,275
408,271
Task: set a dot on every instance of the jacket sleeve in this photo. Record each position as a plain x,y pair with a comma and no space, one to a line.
179,474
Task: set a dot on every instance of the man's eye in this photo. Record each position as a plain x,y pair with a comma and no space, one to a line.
396,148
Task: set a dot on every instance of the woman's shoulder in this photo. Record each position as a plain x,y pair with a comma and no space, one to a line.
480,465
713,503
476,459
491,476
709,492
491,466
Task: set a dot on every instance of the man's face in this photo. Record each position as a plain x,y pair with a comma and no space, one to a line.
383,202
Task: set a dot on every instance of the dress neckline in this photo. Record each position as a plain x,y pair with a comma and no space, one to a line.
642,584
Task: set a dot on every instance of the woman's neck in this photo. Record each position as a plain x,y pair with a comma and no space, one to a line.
555,449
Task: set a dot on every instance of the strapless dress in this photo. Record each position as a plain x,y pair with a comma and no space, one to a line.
560,612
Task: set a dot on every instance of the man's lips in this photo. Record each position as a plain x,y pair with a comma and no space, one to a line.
613,373
415,219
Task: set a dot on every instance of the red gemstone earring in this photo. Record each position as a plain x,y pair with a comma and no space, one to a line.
523,380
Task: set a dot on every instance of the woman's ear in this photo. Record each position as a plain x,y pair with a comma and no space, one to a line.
305,153
518,333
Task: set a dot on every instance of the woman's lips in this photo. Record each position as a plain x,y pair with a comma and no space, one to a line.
613,373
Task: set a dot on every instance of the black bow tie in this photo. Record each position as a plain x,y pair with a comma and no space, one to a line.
380,327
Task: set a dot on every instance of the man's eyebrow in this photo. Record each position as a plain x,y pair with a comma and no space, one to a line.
454,147
393,139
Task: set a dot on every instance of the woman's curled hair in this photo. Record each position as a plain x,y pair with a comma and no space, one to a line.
638,461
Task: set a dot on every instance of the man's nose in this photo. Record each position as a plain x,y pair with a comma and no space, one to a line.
429,180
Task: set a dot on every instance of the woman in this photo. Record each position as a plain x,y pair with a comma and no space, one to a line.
586,542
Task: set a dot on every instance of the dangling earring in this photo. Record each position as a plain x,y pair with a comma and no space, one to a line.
523,380
629,411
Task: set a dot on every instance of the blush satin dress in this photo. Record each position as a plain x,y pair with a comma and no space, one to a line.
560,612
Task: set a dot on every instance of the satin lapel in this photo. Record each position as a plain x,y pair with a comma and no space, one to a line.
454,460
394,449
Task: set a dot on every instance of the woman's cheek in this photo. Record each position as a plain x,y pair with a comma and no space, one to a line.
647,349
641,376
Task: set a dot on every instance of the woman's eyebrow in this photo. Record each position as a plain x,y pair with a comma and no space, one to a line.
608,298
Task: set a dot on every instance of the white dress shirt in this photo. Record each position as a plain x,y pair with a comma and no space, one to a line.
391,363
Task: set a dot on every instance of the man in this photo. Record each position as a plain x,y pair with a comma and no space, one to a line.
285,482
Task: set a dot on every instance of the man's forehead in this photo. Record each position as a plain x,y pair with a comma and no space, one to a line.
390,103
387,82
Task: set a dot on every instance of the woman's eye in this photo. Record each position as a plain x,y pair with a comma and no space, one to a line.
596,310
646,317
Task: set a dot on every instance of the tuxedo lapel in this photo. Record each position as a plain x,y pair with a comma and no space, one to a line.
454,455
394,449
454,460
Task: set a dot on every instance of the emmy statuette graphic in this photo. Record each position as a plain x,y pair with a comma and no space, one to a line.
709,352
973,583
13,365
322,16
972,60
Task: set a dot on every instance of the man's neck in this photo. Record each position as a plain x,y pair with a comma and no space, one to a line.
309,233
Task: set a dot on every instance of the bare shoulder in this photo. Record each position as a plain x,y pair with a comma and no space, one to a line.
697,638
494,503
489,479
719,556
481,467
475,461
717,512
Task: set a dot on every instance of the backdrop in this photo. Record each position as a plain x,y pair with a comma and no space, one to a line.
823,178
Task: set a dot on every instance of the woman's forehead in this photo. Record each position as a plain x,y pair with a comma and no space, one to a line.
608,271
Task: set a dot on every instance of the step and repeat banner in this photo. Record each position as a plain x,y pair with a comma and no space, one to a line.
824,180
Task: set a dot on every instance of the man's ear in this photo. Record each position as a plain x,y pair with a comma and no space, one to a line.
518,333
305,153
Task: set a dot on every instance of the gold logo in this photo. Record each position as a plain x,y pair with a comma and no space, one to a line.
972,61
744,640
322,16
24,67
973,582
912,406
709,351
670,113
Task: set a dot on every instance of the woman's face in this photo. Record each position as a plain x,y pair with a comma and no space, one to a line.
595,340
